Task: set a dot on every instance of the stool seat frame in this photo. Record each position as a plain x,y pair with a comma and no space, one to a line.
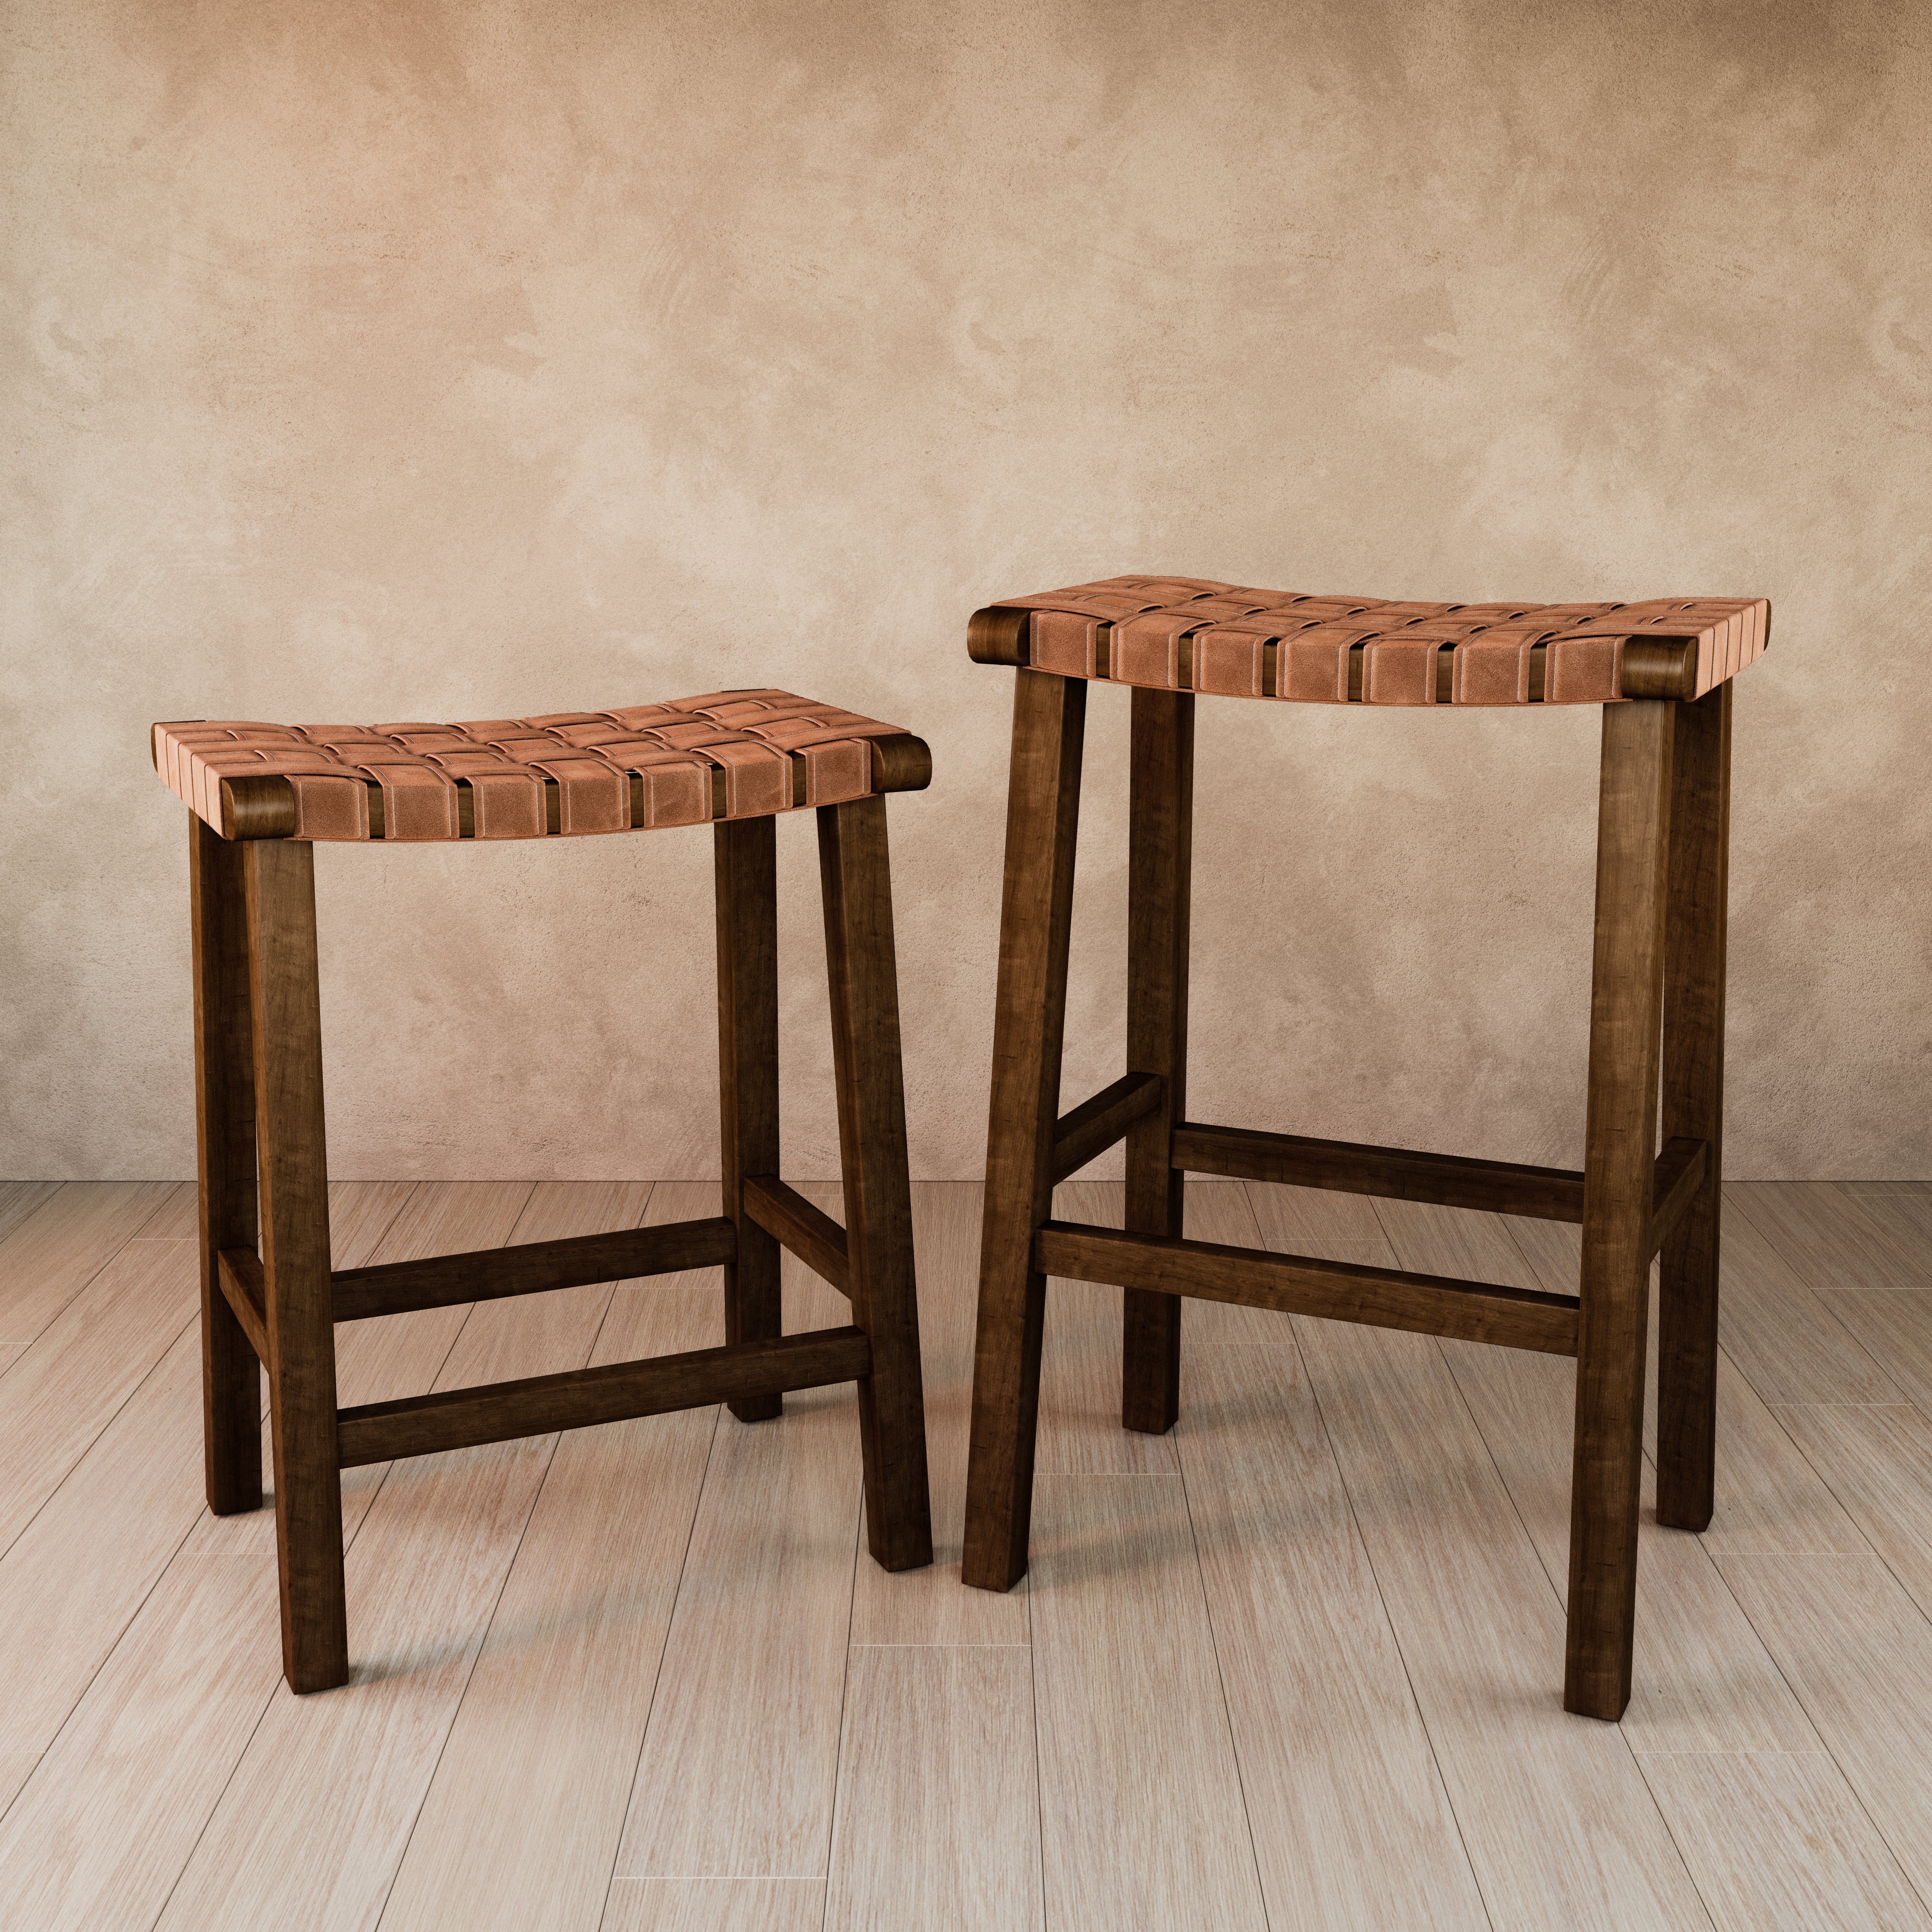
263,1179
1656,1017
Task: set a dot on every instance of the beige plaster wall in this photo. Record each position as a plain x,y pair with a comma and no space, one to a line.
389,360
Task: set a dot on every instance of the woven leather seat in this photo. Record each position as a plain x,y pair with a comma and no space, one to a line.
1186,634
725,754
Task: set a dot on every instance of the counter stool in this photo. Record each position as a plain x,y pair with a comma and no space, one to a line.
260,795
1660,671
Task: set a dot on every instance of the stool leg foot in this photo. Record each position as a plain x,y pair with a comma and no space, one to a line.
1029,1021
1620,1149
746,856
1694,1107
285,1011
224,1119
1159,849
862,972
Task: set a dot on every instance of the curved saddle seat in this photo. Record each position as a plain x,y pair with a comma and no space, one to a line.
1186,634
727,754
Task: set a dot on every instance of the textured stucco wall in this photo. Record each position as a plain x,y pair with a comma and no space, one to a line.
389,360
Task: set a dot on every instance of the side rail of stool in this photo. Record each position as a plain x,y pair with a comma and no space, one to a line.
578,1398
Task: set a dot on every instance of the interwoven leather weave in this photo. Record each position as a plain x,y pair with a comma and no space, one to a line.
726,755
1185,633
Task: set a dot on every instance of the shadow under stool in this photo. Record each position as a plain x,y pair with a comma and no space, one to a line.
261,795
1661,672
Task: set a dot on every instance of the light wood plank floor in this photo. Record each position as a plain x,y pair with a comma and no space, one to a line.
1297,1666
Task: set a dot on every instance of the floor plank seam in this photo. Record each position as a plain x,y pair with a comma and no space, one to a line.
844,1703
1039,1780
657,1676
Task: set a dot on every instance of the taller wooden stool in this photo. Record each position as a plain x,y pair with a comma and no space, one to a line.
260,795
1660,672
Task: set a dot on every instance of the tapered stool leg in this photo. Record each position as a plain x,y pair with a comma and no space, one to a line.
224,1121
1029,1022
747,1077
1694,1106
1160,831
863,974
285,1009
1619,1161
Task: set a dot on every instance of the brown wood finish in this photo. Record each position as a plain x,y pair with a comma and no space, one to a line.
244,1289
1619,1164
1393,1174
1029,1023
1095,1124
862,975
423,1425
449,1281
1160,837
1679,1177
746,866
1515,1318
808,1231
1694,1106
224,1123
285,1009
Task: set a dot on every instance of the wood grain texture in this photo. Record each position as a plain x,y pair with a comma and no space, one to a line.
1160,848
520,1825
233,1341
1878,1461
862,975
1894,1326
1453,1180
737,1775
285,1019
79,1570
1335,1291
715,1905
938,1820
1029,1022
1140,1814
1619,1161
531,1267
1351,1826
744,855
311,1828
102,1829
1778,1841
1835,1239
928,1607
1697,893
1090,1129
67,1387
1560,1827
20,1198
497,1411
379,1360
1787,1339
1859,1653
51,1254
808,1232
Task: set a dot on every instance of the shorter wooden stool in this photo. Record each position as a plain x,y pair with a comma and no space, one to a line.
260,794
1660,671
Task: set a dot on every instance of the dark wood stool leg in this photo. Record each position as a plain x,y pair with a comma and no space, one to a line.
1029,1021
862,970
1693,1105
285,1009
1160,837
224,1125
1619,1157
747,1077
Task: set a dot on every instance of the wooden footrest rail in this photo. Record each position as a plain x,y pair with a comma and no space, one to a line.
1517,1318
447,1281
501,1411
794,1222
